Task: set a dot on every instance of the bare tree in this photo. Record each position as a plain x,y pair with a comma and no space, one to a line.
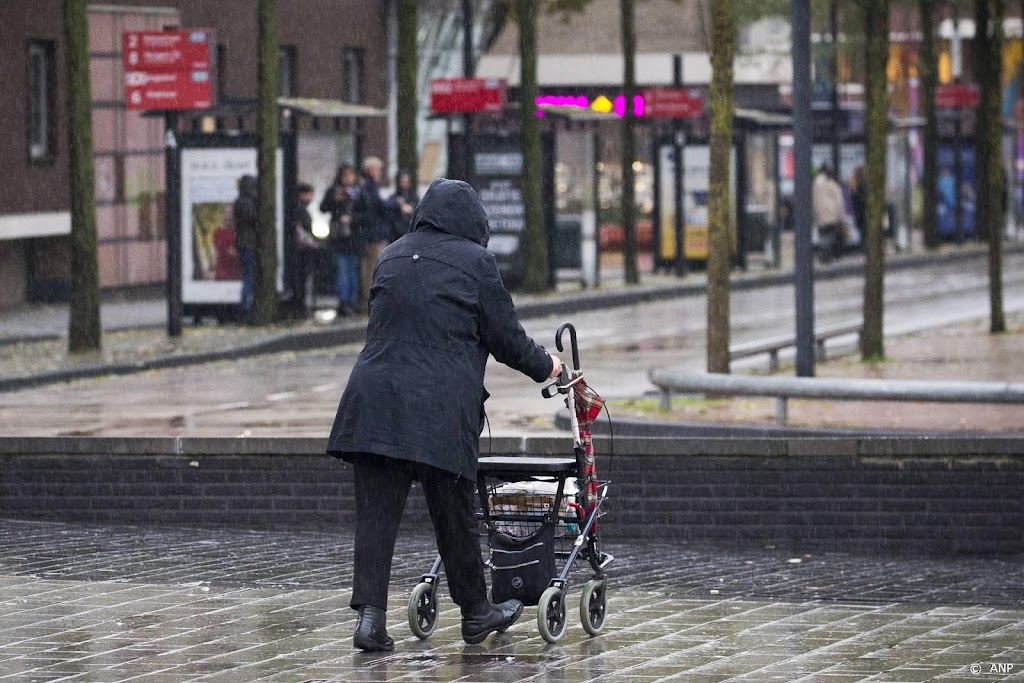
629,143
406,66
536,277
723,51
265,289
876,34
84,329
988,52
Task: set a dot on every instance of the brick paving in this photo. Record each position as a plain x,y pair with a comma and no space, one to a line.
115,603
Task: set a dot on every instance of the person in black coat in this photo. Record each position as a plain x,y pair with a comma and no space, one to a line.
372,221
402,205
413,406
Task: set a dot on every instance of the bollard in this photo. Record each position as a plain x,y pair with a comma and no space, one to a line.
666,400
781,409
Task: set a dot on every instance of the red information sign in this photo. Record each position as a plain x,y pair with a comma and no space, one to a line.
467,95
956,96
182,50
168,90
168,69
673,103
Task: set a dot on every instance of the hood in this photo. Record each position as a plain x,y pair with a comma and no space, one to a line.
452,207
247,186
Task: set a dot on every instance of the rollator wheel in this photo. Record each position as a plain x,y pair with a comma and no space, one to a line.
592,606
551,614
423,610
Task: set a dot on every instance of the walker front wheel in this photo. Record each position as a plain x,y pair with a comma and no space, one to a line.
551,614
423,610
593,606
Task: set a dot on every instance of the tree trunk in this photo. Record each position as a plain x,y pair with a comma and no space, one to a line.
629,144
876,30
265,289
407,99
929,75
982,75
723,49
84,331
995,177
536,277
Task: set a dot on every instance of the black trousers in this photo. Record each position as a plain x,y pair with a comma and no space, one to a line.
381,488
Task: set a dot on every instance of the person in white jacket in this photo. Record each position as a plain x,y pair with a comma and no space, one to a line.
829,212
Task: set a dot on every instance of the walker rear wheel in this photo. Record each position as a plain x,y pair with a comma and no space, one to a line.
423,610
593,606
551,614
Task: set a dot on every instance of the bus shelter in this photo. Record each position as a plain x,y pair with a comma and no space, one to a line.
207,152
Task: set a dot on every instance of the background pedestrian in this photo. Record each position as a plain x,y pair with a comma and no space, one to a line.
372,222
345,245
244,212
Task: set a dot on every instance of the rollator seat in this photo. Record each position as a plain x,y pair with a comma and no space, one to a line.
498,465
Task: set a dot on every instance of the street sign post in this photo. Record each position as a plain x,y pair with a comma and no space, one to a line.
169,70
957,96
467,95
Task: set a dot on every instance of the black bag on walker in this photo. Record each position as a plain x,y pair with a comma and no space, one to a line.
522,568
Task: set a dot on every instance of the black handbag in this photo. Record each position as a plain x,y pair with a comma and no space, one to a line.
522,568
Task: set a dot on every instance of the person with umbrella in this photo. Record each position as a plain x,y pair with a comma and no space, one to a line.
413,406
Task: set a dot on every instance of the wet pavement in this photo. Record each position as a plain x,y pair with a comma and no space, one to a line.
107,603
296,394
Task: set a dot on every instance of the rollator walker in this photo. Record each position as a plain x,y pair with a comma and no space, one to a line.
541,517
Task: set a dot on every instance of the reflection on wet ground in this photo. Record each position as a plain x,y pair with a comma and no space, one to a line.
107,603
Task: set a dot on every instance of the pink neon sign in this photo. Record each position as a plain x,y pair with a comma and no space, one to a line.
583,102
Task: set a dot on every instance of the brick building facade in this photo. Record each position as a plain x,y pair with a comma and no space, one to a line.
331,49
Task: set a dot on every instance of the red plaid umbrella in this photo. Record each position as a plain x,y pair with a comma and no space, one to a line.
588,408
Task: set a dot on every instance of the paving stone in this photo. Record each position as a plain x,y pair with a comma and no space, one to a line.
111,603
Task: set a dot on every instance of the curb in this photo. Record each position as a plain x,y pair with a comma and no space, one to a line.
558,304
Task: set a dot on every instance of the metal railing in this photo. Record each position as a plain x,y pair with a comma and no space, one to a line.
773,345
785,388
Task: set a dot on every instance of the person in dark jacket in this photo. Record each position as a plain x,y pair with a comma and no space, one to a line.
245,214
372,221
413,406
345,243
402,205
305,246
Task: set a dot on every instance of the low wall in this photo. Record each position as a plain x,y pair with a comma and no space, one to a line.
894,494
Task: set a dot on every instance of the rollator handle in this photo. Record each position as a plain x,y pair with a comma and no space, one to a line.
559,386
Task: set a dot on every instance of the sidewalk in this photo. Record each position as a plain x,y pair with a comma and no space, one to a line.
33,348
101,604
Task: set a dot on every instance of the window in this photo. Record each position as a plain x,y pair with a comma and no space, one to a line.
40,99
353,75
286,86
222,64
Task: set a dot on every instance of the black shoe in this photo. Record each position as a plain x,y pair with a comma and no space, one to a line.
485,618
343,311
370,635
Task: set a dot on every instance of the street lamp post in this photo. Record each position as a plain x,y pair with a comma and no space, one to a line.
803,270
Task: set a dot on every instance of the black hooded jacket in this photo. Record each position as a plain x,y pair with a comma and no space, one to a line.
245,213
437,309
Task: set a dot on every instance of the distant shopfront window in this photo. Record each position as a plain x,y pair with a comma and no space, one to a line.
40,99
286,58
354,75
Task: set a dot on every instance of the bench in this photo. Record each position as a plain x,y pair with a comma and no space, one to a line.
772,345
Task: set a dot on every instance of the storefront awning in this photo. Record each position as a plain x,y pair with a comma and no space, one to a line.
329,109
